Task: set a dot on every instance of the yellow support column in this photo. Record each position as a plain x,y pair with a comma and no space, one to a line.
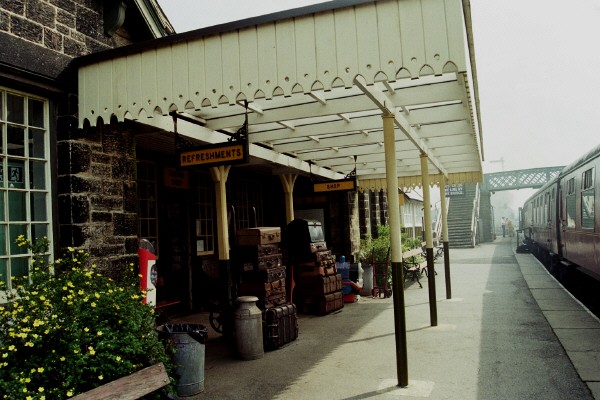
428,239
396,247
288,180
445,237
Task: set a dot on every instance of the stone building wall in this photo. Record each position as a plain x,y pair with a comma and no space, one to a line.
70,27
94,172
97,196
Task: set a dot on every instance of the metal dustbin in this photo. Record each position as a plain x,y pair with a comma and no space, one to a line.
188,340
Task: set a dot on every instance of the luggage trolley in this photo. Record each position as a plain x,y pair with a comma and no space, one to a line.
380,273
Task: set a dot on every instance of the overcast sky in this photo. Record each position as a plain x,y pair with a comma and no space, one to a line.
536,62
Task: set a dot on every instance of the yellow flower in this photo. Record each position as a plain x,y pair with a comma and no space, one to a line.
29,344
92,351
12,347
99,333
4,355
69,393
118,358
86,329
100,377
93,304
62,359
41,389
40,369
71,249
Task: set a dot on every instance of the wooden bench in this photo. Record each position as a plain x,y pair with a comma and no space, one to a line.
412,268
130,387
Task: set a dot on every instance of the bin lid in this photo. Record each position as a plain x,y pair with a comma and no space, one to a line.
198,332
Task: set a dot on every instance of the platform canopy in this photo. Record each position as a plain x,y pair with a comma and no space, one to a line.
314,82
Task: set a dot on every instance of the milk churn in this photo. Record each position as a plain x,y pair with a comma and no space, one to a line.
248,328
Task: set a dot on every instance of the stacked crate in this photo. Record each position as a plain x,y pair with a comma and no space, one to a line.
317,284
258,258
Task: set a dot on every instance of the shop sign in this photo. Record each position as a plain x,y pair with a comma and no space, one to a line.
335,186
235,152
455,190
176,179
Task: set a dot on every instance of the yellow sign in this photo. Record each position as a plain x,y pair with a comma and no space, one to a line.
220,154
333,186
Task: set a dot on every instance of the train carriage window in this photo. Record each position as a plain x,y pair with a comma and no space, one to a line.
571,206
587,199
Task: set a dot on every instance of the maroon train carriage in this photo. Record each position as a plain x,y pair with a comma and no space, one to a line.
562,219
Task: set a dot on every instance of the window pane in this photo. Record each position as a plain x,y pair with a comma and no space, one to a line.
19,266
2,205
15,107
39,231
571,211
36,113
16,174
15,140
37,171
3,271
15,231
36,143
16,206
2,240
38,207
587,209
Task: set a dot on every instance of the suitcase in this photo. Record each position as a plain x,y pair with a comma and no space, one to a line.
319,285
321,305
272,300
261,289
317,247
261,263
266,275
258,236
280,326
316,269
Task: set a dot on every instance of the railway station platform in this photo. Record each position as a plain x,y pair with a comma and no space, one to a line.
509,332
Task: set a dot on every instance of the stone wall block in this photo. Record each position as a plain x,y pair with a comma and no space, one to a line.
132,244
4,21
130,200
112,188
14,6
53,40
65,18
103,203
64,205
74,48
27,29
125,224
88,22
66,5
74,235
41,12
101,216
80,157
80,209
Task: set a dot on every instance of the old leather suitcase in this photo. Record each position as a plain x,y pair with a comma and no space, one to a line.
266,275
316,269
280,326
259,235
319,285
262,263
272,300
321,305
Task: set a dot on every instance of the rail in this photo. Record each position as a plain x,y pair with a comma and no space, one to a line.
475,215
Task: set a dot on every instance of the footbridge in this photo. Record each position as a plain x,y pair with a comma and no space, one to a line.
520,179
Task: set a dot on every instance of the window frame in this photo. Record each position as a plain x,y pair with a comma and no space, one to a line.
30,176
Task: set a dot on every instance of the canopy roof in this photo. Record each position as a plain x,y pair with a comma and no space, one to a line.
315,81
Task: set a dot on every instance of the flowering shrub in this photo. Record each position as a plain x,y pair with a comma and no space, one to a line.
67,332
